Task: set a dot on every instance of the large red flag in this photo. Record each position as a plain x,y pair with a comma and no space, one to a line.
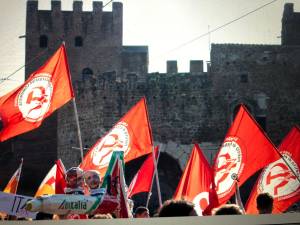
196,181
143,179
132,135
54,182
277,179
13,183
245,150
45,90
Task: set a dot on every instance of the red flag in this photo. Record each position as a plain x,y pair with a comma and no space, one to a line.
13,183
60,182
54,182
245,150
45,90
277,179
143,179
196,181
132,135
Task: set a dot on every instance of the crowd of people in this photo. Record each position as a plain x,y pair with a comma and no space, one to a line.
75,178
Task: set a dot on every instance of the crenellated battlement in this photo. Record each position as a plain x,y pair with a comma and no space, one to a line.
97,6
95,22
108,83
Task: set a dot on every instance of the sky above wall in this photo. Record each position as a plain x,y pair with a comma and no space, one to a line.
166,26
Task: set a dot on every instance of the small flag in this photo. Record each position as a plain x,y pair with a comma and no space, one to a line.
143,179
196,181
114,182
54,182
13,183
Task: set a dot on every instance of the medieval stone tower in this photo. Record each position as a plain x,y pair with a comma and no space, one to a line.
109,78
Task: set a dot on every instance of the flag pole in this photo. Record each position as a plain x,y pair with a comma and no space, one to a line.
20,167
150,192
288,165
156,176
78,129
238,199
76,114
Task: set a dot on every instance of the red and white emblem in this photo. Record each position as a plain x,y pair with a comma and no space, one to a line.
35,98
118,139
228,164
278,180
201,201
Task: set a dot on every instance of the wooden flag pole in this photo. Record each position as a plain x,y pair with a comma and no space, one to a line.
78,129
150,192
156,176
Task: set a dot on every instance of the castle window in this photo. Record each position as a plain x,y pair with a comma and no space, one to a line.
43,41
78,41
244,78
87,73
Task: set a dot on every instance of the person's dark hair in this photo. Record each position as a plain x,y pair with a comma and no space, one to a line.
228,209
43,216
172,208
264,203
140,210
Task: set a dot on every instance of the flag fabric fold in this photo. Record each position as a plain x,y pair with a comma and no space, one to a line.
143,179
54,182
114,182
13,183
245,150
132,135
277,179
196,181
46,90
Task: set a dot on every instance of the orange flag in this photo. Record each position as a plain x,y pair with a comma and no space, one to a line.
13,183
132,135
143,179
54,182
196,181
277,179
245,150
45,90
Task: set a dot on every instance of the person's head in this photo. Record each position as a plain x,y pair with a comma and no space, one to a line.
264,203
228,209
74,178
92,179
141,212
102,216
172,208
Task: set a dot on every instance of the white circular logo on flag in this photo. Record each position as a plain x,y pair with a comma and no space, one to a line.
118,139
278,180
201,201
35,98
228,165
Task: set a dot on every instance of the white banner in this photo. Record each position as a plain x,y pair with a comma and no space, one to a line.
14,205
